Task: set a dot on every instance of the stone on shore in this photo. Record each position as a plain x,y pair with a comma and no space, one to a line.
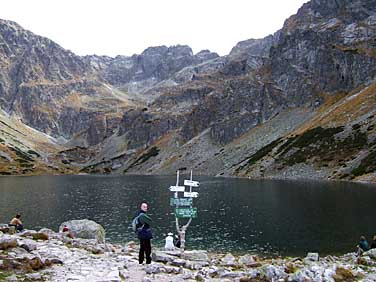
40,236
232,274
34,277
86,229
196,265
371,253
159,256
273,273
5,228
229,260
27,244
179,262
311,257
47,231
58,259
7,242
248,260
199,255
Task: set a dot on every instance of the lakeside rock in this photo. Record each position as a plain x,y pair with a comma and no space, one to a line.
85,229
60,258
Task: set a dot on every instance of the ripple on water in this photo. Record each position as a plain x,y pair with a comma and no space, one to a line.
237,215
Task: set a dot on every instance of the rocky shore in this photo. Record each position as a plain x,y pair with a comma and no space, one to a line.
45,255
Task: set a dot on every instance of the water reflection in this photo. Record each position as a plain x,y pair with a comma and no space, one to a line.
274,217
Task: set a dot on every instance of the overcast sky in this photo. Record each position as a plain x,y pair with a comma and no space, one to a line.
125,27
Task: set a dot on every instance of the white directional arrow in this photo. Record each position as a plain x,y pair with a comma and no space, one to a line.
190,194
191,183
177,188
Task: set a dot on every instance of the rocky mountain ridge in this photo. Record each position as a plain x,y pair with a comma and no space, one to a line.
169,109
139,73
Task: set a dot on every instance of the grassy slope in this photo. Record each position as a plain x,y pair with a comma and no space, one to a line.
25,151
338,143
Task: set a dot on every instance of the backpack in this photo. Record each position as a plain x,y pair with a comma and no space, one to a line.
136,223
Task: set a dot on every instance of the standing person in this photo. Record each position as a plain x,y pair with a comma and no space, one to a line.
363,246
373,243
144,233
16,222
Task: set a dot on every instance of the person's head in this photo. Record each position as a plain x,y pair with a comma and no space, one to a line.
18,215
144,207
374,237
362,238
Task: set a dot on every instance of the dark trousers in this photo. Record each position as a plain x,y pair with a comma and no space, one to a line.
17,227
145,248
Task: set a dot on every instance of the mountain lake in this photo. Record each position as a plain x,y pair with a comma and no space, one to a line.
267,217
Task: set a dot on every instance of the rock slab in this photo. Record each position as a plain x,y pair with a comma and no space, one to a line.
85,229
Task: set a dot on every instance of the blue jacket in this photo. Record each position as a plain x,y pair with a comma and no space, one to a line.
144,231
363,244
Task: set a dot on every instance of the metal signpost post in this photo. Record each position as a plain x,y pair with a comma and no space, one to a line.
184,206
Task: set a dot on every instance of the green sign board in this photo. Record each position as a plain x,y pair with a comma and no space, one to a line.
181,202
186,212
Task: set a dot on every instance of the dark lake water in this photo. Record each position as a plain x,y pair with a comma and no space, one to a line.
237,215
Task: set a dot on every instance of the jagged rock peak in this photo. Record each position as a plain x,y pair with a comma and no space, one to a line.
346,9
206,55
253,47
15,26
172,50
153,65
17,41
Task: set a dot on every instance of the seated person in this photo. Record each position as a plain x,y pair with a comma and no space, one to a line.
169,246
177,241
373,243
16,222
363,246
67,232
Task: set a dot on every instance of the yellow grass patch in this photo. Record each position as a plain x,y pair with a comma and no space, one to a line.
74,100
343,109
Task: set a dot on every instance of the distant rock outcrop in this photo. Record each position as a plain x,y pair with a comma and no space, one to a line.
139,73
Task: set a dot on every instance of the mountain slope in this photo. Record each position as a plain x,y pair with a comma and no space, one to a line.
339,142
26,151
299,103
220,117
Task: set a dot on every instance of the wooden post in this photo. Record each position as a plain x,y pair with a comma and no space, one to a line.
182,231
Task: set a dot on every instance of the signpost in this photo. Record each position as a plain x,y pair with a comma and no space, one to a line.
181,202
186,212
191,183
177,188
183,206
190,194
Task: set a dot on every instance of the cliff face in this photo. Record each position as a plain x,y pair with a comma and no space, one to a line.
140,72
168,108
47,87
327,47
324,56
62,94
